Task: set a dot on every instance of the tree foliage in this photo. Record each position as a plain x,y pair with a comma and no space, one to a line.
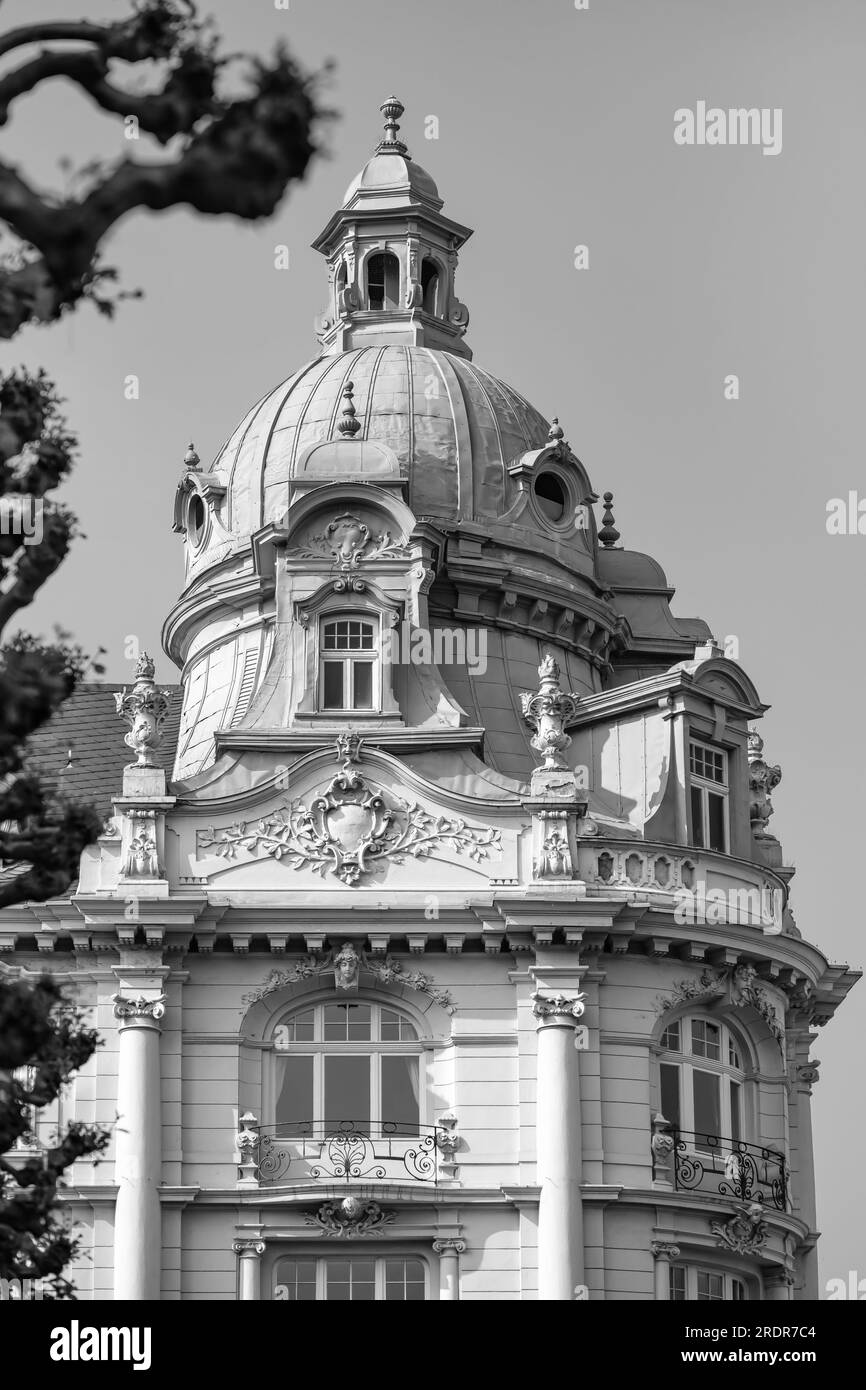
230,145
42,1043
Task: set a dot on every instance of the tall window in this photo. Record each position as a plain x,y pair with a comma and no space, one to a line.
350,1066
383,281
356,1280
349,665
701,1081
708,776
689,1283
430,286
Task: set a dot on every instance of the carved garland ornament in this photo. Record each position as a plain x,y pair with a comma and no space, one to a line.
348,830
387,972
351,1217
744,1233
711,984
348,541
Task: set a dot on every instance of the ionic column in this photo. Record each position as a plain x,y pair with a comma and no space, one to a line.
249,1254
560,1212
449,1252
663,1252
138,1160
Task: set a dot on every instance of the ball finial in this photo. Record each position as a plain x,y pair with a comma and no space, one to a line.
191,458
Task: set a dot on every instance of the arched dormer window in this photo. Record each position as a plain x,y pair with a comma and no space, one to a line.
349,672
430,286
383,281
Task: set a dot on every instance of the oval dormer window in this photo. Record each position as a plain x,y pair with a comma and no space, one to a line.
195,518
383,281
550,496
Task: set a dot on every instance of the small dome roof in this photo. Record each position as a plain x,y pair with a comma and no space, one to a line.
391,174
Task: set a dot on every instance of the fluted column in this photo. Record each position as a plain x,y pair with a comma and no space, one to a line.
249,1254
138,1156
449,1252
560,1213
663,1252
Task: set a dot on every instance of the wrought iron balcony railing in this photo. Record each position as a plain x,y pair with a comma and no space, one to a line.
306,1151
730,1168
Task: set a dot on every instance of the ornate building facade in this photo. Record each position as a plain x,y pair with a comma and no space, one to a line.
453,955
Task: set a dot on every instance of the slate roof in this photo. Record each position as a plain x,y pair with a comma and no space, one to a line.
82,745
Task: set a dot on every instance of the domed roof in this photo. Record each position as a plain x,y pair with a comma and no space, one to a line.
451,426
390,175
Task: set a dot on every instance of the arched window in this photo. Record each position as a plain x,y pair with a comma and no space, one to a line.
701,1082
383,281
349,664
430,286
349,1066
342,277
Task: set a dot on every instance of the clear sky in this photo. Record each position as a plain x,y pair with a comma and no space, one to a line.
555,129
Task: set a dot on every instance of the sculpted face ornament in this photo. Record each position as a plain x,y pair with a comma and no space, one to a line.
548,710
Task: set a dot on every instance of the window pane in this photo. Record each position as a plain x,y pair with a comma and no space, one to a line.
733,1055
294,1107
697,818
671,1037
332,695
347,1093
736,1124
404,1280
716,810
400,1094
295,1281
739,1293
706,1039
706,1100
298,1028
670,1093
350,1281
710,1286
362,696
678,1283
347,1022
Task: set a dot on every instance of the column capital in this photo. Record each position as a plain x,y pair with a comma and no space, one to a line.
139,1008
664,1250
249,1247
558,1009
449,1247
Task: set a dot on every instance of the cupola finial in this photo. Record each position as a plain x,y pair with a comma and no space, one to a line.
349,423
392,109
191,458
608,535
